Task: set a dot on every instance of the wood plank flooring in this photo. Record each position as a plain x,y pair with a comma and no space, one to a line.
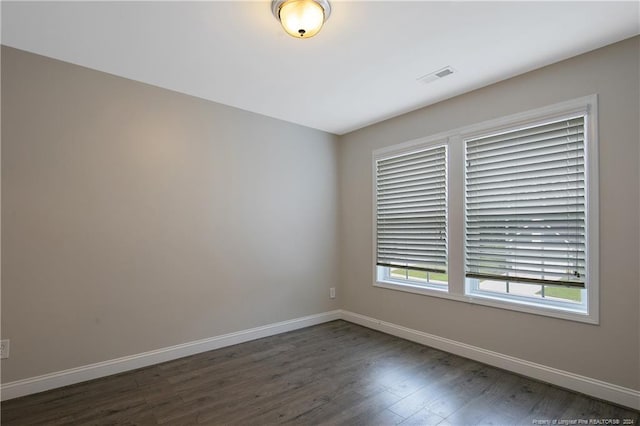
336,373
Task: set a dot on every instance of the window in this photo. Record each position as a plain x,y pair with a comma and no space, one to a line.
411,217
525,213
521,207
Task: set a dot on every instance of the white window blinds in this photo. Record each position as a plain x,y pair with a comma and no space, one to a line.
525,205
411,191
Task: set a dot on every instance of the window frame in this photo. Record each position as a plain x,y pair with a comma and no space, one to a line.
460,288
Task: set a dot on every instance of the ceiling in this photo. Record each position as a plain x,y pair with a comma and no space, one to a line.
360,69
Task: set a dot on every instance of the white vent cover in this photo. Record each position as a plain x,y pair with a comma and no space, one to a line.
436,75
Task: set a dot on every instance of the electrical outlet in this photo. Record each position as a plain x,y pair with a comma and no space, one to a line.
4,349
332,292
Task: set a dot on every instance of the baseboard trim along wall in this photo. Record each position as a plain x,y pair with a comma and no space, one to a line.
586,385
101,369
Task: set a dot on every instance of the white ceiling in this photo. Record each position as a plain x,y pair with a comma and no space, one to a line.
360,69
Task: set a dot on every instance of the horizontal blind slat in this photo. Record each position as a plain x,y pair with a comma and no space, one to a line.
577,122
566,150
504,184
516,145
404,158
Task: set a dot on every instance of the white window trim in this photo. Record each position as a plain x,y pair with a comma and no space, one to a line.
458,287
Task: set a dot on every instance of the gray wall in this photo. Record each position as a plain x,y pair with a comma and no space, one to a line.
135,218
610,351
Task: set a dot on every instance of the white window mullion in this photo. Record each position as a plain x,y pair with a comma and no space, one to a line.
456,217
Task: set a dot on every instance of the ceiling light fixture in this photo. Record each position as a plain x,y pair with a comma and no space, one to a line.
301,18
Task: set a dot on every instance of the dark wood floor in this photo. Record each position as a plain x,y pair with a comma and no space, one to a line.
336,373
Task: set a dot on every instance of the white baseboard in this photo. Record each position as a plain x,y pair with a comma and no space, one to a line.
586,385
101,369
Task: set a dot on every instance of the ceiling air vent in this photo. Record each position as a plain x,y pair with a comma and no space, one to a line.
436,75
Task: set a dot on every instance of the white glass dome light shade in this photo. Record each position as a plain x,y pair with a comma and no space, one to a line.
301,18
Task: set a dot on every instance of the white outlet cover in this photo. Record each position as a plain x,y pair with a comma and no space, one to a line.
4,349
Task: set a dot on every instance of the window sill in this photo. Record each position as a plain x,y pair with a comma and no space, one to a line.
416,289
494,302
531,307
